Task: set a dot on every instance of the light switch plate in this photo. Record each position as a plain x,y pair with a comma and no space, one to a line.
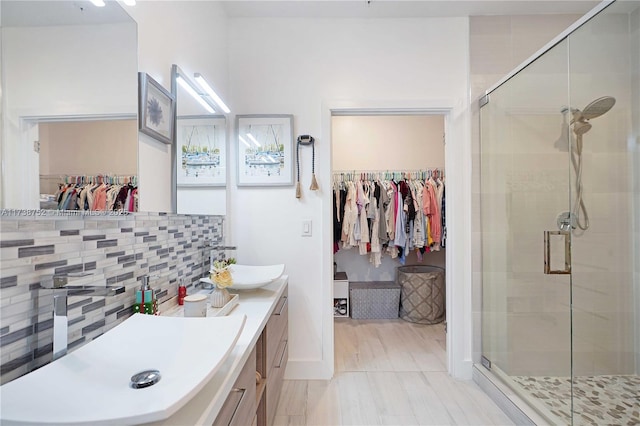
306,228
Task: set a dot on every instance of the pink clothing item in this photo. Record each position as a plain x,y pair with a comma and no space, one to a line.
100,199
431,210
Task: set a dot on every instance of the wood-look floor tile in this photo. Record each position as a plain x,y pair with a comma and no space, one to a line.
388,372
398,420
357,404
389,396
323,405
423,399
293,398
289,421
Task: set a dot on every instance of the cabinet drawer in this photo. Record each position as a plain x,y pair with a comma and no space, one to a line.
275,329
239,408
274,383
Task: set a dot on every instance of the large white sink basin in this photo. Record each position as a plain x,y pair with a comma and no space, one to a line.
91,386
247,277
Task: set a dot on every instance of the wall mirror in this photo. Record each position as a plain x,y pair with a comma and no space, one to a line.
69,87
201,154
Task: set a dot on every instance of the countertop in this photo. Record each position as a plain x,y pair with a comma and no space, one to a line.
257,305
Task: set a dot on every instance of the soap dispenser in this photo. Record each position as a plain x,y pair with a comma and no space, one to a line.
145,298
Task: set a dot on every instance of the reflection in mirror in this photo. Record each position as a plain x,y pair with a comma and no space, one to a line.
67,67
69,164
201,154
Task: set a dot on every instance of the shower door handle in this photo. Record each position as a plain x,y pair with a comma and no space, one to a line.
567,252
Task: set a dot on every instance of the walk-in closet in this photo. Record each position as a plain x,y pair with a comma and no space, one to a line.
389,195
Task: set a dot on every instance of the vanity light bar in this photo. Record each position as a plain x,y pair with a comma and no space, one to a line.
207,88
129,2
98,3
189,88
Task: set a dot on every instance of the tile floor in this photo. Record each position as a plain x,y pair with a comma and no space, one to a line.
388,372
599,400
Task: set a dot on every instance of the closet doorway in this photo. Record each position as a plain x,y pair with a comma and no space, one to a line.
388,148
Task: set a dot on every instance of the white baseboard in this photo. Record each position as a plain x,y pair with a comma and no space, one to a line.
308,370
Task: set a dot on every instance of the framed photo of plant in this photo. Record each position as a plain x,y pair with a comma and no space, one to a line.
265,150
201,153
156,109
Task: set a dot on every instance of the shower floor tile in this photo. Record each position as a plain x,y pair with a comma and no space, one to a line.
599,400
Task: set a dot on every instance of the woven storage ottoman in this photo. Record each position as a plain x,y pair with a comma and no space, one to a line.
422,296
374,299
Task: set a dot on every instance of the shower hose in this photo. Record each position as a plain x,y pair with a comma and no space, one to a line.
578,205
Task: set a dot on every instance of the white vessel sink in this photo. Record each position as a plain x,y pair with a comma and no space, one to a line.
91,386
247,277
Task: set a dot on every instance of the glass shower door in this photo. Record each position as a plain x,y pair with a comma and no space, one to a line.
525,205
604,92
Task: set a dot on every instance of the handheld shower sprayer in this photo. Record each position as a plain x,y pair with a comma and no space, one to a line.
581,125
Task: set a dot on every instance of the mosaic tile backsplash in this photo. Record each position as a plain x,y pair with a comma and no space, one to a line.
114,250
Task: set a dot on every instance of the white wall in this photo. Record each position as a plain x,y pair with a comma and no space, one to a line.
306,67
192,35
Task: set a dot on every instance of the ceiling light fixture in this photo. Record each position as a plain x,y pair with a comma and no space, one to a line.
209,90
188,86
98,3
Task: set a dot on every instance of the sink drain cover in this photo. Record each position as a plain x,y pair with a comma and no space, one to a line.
144,379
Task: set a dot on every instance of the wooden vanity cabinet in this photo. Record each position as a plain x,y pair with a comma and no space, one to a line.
240,406
277,339
253,402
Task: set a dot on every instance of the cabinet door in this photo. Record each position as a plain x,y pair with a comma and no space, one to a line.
275,330
239,408
277,333
276,376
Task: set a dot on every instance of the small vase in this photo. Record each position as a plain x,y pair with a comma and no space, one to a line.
219,297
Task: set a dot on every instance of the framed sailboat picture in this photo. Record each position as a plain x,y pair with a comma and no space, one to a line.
201,153
265,150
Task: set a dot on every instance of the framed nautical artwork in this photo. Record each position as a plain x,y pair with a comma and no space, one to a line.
265,150
201,153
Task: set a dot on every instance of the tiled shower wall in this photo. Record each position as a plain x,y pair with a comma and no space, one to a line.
114,249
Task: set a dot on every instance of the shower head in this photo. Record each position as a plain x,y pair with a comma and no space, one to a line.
595,109
581,127
598,107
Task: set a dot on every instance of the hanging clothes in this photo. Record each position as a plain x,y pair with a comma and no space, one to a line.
103,196
389,216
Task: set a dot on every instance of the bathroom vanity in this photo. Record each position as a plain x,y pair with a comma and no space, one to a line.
224,370
233,396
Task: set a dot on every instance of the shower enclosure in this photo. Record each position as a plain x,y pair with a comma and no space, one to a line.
560,217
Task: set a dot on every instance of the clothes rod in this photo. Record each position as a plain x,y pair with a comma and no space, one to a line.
350,175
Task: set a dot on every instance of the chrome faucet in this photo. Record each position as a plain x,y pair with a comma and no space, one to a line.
61,292
208,244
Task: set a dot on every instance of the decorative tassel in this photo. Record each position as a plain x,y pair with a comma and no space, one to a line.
314,183
298,190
